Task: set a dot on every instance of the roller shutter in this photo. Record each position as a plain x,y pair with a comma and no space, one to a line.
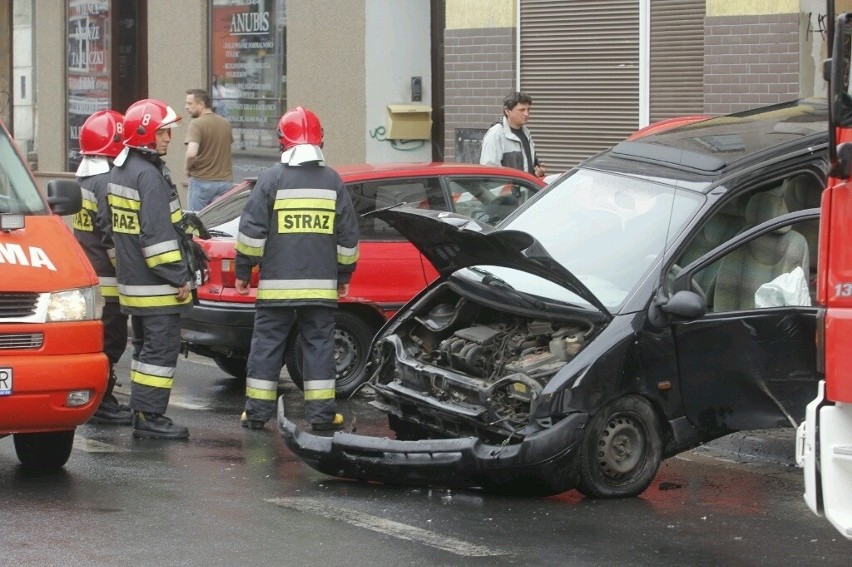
579,61
677,58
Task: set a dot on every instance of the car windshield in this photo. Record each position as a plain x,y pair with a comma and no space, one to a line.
222,216
608,230
18,192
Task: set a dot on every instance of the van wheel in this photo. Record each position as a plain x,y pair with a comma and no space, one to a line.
352,338
621,450
44,451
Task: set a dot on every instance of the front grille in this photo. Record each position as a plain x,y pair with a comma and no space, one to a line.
21,341
17,305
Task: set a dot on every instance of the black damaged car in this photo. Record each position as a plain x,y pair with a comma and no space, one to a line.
658,296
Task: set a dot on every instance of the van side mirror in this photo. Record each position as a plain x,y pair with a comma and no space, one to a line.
64,197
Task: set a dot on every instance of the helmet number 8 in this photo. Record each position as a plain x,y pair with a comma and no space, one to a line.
146,119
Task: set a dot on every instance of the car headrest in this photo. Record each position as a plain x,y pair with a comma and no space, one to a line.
763,207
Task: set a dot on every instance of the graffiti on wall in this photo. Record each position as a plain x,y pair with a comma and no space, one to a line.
380,135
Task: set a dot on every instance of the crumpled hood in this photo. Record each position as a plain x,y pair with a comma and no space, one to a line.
451,241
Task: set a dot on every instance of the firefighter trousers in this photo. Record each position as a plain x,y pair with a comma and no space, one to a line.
115,331
115,338
156,347
316,339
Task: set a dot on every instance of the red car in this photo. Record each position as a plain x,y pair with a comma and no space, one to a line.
390,269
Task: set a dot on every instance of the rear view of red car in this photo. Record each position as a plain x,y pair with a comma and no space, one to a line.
390,270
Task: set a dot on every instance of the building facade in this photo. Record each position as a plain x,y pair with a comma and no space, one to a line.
415,81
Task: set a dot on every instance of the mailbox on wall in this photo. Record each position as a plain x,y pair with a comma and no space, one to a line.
409,122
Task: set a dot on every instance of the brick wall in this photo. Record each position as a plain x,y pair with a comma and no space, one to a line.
479,70
750,61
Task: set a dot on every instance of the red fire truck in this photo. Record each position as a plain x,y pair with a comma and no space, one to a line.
824,440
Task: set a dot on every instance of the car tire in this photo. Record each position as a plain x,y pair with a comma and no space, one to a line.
352,338
621,450
44,451
235,365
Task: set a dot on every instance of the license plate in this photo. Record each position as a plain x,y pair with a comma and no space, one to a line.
5,381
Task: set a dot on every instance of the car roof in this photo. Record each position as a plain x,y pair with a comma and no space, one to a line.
706,150
355,172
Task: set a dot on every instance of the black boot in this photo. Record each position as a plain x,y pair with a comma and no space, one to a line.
156,426
110,412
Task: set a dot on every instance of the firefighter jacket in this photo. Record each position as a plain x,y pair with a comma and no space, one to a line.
145,210
300,225
500,146
89,227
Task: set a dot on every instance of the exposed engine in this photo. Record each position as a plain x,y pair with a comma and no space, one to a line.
492,358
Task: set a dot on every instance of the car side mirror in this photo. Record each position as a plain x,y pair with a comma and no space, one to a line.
684,305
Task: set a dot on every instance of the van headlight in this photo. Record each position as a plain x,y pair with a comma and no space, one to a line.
81,304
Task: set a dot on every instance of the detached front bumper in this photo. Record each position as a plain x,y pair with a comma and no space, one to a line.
540,465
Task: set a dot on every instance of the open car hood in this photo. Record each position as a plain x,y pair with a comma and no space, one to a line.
451,241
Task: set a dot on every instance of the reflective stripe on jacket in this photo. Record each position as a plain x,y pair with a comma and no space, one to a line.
89,228
300,225
144,208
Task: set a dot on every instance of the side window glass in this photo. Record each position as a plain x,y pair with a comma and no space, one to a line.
797,192
487,199
423,193
770,271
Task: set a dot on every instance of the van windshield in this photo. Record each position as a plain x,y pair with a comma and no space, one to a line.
18,192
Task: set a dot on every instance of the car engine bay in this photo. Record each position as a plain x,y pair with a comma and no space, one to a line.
486,365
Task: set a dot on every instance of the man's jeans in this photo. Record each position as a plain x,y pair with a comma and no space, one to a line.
201,192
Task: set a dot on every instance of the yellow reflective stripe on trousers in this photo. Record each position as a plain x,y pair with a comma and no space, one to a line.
261,389
319,389
152,375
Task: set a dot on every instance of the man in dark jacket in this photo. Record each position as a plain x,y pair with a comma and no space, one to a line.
154,280
100,143
300,225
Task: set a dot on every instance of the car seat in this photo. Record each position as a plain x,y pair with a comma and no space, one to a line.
719,228
805,192
760,261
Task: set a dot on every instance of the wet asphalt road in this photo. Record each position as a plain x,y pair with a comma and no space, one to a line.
230,496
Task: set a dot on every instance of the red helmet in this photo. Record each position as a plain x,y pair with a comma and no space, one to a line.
142,120
100,134
299,126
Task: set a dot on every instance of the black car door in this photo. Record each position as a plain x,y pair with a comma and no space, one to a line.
750,361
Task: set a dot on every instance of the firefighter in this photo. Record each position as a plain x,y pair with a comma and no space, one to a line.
154,280
300,225
100,143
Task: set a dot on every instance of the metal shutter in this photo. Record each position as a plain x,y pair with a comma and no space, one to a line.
579,60
677,58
